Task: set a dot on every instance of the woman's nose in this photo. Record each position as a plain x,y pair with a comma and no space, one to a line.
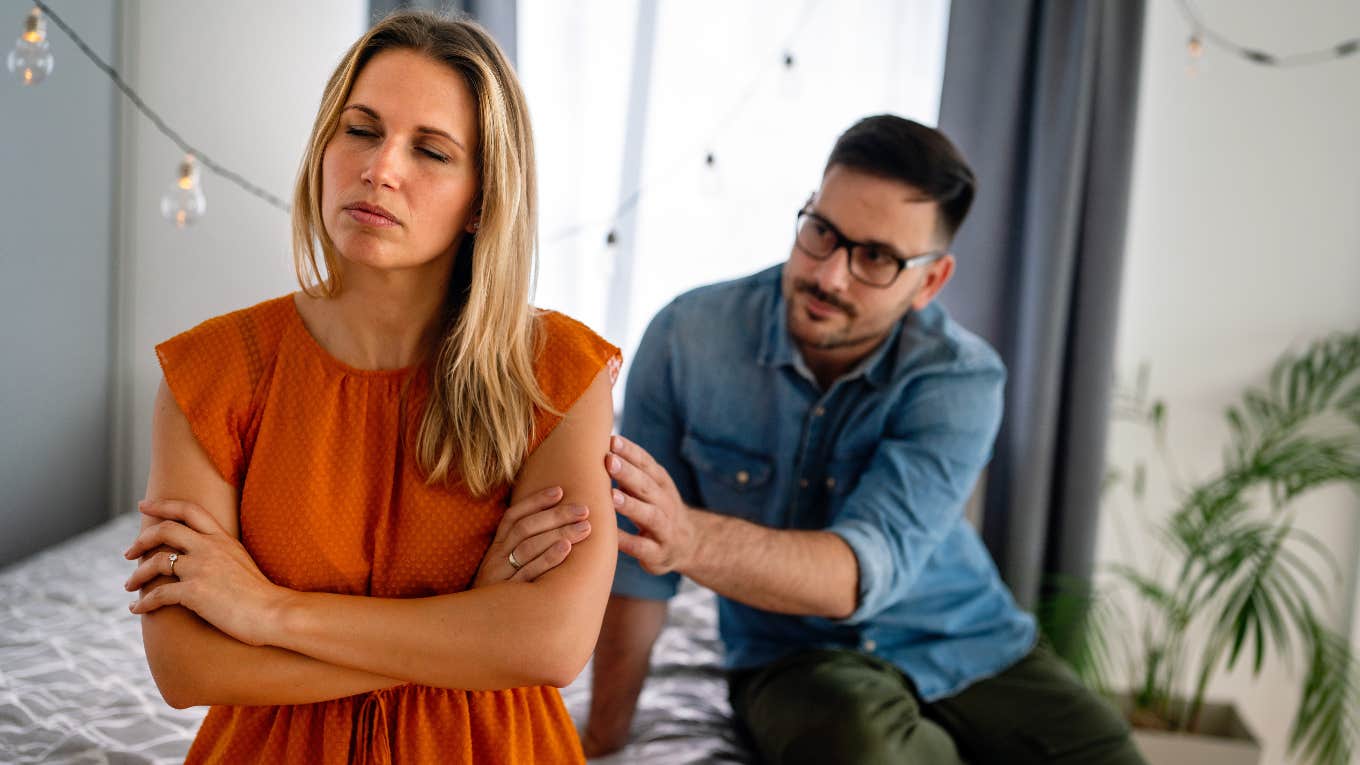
384,167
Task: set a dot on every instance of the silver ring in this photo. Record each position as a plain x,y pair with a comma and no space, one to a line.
514,562
173,557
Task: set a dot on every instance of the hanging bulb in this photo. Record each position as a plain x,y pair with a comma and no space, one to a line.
184,203
1194,50
31,59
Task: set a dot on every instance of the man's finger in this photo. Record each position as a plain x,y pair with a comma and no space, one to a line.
630,478
640,458
647,551
643,515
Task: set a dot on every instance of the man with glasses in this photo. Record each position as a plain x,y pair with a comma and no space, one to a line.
802,441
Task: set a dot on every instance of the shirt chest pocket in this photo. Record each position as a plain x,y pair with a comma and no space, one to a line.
731,480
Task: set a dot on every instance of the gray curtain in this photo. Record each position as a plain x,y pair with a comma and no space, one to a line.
498,16
1041,96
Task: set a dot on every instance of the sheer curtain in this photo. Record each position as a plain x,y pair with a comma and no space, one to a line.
718,81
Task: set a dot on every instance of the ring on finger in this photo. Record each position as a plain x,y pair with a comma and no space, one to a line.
514,562
173,557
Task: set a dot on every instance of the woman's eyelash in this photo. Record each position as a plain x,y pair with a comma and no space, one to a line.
362,133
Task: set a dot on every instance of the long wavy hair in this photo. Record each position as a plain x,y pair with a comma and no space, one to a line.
479,416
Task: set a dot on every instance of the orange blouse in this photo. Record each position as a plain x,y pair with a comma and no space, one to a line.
332,501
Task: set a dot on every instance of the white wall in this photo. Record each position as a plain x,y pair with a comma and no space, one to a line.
1244,240
242,81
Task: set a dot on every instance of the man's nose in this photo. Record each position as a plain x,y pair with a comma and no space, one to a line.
833,272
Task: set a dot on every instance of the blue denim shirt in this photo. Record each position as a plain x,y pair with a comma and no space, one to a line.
886,459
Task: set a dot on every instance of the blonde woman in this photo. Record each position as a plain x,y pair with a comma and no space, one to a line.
327,557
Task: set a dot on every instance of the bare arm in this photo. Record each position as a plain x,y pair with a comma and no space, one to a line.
501,636
622,657
193,662
810,573
806,573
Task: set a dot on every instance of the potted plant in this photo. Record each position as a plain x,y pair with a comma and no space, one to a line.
1237,580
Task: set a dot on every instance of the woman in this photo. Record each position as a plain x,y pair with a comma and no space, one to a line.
361,438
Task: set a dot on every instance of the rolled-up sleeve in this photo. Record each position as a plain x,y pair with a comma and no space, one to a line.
652,420
912,493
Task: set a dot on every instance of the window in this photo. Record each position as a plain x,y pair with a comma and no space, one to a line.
718,84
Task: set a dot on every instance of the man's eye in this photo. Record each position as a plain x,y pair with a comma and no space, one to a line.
873,255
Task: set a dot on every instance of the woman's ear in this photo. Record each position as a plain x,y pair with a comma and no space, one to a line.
474,223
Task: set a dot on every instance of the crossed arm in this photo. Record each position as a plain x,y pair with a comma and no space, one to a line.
221,633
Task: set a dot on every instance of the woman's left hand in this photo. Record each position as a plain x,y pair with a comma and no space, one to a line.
217,578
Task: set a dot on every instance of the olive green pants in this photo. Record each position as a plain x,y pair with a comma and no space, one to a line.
845,707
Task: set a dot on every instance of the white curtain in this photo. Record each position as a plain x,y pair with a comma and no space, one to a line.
718,85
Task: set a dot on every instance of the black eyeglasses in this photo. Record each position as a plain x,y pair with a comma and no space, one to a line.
872,264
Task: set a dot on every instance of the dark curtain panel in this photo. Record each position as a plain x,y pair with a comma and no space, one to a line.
1041,96
498,16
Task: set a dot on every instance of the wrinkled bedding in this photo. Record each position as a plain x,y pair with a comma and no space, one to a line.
75,688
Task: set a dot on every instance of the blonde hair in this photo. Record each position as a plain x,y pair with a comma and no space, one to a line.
479,417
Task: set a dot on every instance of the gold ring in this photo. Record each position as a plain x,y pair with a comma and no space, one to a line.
173,557
514,562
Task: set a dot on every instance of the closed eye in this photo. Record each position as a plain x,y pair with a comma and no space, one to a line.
365,133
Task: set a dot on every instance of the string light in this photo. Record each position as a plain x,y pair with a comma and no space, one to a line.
31,59
1203,33
1194,50
195,157
183,204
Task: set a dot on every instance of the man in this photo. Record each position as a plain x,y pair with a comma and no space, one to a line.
802,442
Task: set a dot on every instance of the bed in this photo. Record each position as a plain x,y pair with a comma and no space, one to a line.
75,688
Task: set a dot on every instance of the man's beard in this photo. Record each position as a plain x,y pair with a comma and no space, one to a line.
842,338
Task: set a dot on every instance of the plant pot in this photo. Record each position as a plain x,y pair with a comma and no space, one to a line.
1223,738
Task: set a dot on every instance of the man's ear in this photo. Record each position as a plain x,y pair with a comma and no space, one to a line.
937,275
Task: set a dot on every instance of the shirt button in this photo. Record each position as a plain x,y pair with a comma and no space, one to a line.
743,477
870,645
802,483
818,412
831,483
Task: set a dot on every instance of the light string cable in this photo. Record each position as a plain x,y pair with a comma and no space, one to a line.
1307,58
632,200
155,118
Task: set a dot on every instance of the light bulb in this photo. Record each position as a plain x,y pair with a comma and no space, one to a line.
791,78
184,203
31,59
1194,51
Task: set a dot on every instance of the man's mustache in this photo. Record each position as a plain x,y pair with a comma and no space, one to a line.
811,288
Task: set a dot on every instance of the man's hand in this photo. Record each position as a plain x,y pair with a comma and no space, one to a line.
539,532
648,497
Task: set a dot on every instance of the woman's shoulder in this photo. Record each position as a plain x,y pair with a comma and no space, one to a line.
247,337
571,353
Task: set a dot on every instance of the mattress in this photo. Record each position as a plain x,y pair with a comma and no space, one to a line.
75,688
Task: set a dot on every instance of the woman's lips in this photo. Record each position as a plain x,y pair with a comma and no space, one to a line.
369,219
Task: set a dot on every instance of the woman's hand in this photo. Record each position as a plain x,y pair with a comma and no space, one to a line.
540,534
217,578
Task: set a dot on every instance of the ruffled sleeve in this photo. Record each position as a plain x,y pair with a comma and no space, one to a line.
212,371
570,356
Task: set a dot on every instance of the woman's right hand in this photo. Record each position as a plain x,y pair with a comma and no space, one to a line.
539,532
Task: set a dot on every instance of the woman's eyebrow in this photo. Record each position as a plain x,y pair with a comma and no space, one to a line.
419,129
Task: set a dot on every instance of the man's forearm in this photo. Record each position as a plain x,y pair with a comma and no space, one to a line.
807,573
622,658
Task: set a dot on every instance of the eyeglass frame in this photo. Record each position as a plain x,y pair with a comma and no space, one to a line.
843,241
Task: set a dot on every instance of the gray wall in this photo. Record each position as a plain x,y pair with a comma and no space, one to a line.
58,150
